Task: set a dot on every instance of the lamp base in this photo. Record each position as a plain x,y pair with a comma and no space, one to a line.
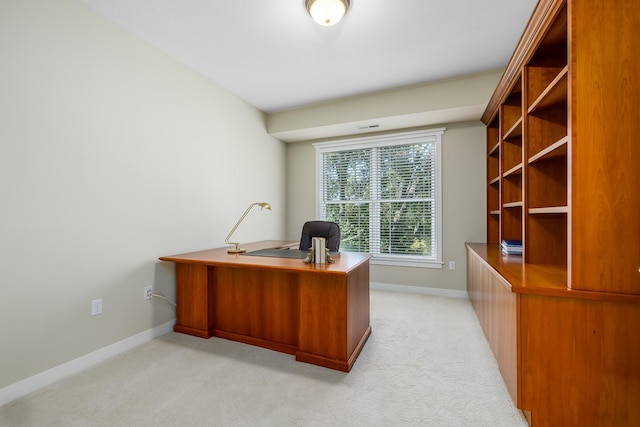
236,251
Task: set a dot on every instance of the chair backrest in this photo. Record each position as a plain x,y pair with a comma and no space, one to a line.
327,229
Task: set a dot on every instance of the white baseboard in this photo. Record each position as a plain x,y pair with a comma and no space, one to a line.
451,293
43,379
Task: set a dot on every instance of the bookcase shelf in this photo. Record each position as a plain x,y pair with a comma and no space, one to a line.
549,210
515,131
557,149
554,94
547,183
511,108
516,204
495,151
516,170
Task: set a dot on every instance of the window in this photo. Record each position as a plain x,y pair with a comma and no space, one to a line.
384,192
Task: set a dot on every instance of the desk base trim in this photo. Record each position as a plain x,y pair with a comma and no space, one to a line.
339,365
192,331
258,342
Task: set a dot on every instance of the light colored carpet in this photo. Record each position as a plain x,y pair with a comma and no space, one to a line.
425,364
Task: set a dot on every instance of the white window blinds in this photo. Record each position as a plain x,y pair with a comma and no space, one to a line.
384,192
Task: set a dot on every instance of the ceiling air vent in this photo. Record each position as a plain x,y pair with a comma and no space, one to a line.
368,127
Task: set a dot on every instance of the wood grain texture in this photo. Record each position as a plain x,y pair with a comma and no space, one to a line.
194,313
605,87
261,304
324,302
357,308
580,362
512,222
496,308
319,312
546,239
577,351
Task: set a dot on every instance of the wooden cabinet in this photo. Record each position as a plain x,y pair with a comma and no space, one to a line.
563,177
568,358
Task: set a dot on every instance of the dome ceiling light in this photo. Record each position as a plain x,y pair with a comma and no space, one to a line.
327,12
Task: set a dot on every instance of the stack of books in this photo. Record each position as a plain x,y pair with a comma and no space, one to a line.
511,247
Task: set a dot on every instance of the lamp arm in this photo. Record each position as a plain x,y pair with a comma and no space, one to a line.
236,226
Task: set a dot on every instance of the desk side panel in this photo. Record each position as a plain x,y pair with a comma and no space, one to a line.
334,318
323,319
194,314
358,306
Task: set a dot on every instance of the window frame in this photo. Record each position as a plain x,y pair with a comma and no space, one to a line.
393,139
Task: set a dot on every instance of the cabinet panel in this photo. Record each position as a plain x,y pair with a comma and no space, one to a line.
495,307
512,223
511,110
493,228
512,188
579,362
546,241
511,153
546,127
547,183
605,194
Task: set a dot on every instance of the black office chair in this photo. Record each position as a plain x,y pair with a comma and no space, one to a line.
327,229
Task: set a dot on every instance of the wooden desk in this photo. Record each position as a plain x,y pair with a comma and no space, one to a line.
317,312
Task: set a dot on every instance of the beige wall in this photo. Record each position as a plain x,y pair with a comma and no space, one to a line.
111,155
447,101
462,198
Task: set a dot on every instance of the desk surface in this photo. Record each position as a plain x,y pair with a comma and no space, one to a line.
344,261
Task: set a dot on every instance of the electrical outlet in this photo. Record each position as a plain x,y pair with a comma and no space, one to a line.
96,306
452,265
148,292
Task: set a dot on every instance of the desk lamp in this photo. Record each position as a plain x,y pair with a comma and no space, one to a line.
238,249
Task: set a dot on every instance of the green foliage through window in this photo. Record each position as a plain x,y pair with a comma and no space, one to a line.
382,196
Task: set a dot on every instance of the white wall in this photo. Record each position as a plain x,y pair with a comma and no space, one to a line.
463,199
111,155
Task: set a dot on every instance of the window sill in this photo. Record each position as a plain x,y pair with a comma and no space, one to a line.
406,262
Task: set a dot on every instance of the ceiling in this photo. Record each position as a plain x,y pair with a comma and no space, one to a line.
274,56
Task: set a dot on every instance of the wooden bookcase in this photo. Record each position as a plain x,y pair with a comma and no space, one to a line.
563,177
561,164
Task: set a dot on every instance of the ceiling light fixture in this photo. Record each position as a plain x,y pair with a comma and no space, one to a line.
327,12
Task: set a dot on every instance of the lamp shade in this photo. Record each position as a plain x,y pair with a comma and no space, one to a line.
327,12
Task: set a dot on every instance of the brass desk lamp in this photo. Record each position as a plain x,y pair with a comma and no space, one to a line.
238,249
